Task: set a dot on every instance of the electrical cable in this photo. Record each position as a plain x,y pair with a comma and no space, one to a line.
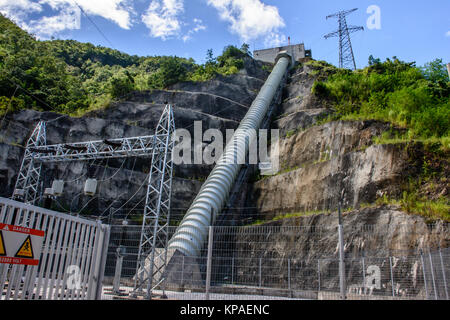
139,189
77,213
9,106
132,172
130,211
117,198
95,25
30,94
128,187
115,173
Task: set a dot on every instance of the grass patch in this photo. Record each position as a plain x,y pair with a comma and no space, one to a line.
290,133
392,91
288,216
441,144
411,202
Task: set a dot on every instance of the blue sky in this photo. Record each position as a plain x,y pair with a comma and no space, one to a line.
411,30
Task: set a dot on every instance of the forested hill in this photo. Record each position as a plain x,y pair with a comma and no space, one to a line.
72,77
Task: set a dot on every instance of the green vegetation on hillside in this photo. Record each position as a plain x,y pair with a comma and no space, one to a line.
393,91
72,77
412,98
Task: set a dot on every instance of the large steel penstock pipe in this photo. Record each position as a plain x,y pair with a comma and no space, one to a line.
193,230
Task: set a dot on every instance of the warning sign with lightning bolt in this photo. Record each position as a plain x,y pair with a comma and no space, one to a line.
20,245
2,246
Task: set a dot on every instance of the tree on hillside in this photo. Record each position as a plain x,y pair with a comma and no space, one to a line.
171,71
373,61
245,48
120,86
435,71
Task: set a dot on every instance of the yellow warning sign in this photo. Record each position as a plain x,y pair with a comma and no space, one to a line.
25,250
2,245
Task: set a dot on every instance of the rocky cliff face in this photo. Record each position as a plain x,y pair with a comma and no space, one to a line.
323,164
220,103
320,163
302,253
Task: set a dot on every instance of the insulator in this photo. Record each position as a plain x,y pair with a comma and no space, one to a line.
58,187
90,187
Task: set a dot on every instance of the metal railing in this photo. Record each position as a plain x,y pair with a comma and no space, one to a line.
268,262
72,260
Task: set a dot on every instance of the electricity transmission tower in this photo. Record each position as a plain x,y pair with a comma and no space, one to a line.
27,183
152,256
346,57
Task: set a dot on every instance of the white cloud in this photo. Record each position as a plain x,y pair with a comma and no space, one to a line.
447,34
162,18
67,19
67,14
117,11
18,10
274,39
251,19
198,26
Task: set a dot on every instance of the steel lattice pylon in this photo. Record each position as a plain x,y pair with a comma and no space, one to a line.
346,56
154,233
27,183
154,237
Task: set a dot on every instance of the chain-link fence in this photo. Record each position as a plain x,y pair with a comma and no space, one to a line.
276,262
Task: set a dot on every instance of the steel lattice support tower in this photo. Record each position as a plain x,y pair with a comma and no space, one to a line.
27,183
154,233
346,56
154,236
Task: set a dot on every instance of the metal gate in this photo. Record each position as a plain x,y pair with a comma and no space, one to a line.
72,260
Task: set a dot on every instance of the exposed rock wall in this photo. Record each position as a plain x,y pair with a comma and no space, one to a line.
354,177
220,103
302,253
322,164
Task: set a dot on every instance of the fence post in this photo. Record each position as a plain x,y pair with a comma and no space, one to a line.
443,273
232,270
432,275
260,272
364,274
341,255
182,271
318,271
392,276
209,262
102,263
118,271
424,276
289,274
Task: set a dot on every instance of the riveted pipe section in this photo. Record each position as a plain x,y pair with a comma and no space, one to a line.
193,230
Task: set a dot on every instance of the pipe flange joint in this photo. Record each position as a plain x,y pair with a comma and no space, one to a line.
283,54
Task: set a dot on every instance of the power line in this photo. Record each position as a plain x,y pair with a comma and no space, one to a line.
115,173
30,94
98,29
139,189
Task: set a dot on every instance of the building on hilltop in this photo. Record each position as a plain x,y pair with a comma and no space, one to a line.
297,52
